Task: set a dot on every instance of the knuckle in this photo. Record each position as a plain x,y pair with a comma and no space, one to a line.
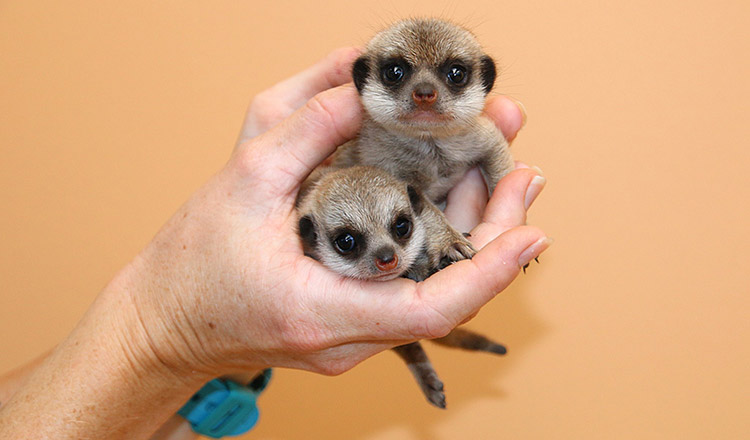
427,322
343,53
332,368
260,102
437,328
265,111
317,112
246,159
341,59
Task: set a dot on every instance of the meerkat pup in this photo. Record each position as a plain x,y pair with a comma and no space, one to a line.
423,84
364,223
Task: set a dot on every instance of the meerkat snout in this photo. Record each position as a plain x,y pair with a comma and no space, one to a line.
386,259
424,95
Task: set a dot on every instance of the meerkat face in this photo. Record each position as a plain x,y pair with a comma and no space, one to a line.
424,77
362,223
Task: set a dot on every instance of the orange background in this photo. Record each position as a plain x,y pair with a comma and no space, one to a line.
636,323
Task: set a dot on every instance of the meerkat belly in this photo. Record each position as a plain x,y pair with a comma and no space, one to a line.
431,165
433,174
447,162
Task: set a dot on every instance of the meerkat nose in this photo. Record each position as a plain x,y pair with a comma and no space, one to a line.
424,94
386,260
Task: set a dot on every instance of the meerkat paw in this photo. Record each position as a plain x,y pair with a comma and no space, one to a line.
432,387
425,375
525,266
456,250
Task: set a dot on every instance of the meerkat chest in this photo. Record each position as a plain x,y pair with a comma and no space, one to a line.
441,164
433,167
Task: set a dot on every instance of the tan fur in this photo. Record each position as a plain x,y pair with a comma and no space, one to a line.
368,200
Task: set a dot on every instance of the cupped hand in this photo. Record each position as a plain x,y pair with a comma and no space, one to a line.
225,287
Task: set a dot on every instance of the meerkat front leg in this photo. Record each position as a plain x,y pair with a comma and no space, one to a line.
445,245
496,164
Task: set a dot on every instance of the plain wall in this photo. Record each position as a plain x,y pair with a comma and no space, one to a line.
634,325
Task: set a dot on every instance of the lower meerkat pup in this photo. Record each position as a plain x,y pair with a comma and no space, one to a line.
364,223
423,84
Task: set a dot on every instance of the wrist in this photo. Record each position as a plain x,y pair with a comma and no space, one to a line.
151,334
100,379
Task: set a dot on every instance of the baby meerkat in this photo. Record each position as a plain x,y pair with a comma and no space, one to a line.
364,223
423,84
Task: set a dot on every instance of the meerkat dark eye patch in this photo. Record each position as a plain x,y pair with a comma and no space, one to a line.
348,243
402,227
393,72
360,70
345,243
488,73
307,230
456,74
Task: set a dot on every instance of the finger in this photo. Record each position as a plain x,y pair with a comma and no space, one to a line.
275,104
336,359
401,310
509,115
332,71
291,150
466,201
460,290
469,318
507,208
348,309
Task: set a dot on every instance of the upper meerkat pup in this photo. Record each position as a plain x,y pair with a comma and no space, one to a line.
423,84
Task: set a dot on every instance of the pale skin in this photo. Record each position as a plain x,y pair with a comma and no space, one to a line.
224,288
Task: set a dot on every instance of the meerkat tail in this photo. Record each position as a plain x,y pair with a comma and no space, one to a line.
468,340
421,368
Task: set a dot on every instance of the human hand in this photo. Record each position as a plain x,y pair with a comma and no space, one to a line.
224,286
230,260
272,106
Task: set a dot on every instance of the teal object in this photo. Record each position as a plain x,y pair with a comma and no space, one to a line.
225,408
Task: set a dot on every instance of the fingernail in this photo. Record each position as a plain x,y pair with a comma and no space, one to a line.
535,187
534,251
521,107
538,170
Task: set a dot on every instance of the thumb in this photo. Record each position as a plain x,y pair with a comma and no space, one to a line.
294,147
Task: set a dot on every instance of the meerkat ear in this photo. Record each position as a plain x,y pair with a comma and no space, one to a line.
360,70
488,72
307,232
416,200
